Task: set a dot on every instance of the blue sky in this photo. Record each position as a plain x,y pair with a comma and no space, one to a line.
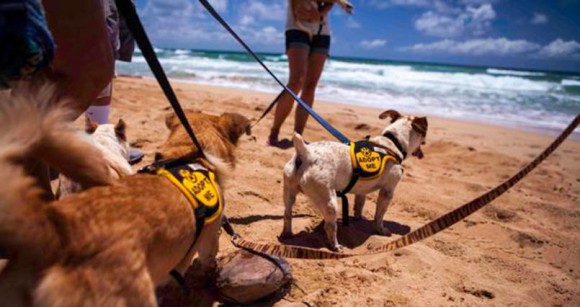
521,34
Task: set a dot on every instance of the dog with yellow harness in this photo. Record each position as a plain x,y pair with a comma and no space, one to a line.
113,243
325,170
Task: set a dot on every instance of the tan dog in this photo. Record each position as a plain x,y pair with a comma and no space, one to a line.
322,168
106,246
111,141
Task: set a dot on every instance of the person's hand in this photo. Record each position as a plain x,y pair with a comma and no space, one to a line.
307,10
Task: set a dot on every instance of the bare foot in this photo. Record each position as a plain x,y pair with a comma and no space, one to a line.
283,144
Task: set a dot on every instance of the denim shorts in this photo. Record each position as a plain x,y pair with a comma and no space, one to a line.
300,39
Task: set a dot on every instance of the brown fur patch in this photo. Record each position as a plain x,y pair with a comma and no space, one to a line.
217,134
420,125
392,114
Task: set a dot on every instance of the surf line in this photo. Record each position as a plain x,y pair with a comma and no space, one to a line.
337,134
439,224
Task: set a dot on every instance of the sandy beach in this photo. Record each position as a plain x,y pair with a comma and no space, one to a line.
521,250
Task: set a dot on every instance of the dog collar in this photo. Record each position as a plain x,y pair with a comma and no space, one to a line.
395,141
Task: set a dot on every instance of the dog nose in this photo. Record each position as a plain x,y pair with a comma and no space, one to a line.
158,156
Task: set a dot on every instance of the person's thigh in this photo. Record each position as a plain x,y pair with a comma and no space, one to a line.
83,63
316,63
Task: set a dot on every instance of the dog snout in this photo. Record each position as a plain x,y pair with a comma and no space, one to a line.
418,153
158,156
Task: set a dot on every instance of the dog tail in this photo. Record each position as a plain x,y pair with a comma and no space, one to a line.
31,130
300,146
220,167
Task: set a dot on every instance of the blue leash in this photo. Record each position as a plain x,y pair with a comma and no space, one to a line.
317,117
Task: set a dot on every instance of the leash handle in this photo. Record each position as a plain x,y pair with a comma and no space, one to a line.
127,10
306,107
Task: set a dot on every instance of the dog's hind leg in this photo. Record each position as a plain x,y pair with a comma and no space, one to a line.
385,197
330,212
124,281
325,201
359,203
290,192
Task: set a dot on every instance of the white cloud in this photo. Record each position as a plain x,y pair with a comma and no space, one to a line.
478,47
561,49
259,10
432,23
353,24
219,5
373,44
539,19
186,23
449,22
482,13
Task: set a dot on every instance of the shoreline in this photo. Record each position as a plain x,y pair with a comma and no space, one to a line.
550,132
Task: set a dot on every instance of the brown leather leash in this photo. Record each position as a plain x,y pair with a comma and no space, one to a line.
426,231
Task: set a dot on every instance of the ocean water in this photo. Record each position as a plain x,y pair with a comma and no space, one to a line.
538,100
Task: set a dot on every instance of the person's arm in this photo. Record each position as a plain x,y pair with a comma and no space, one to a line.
83,64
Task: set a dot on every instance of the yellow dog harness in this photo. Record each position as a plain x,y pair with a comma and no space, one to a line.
369,161
197,184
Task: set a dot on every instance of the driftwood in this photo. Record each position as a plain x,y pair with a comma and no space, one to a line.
248,277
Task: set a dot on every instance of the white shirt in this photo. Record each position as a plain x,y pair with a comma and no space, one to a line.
316,28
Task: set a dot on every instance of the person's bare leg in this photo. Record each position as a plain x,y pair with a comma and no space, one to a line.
315,66
83,62
100,109
297,63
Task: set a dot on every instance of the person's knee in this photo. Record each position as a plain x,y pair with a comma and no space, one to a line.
296,83
310,86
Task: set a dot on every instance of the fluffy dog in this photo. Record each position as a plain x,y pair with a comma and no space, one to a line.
322,168
109,245
111,141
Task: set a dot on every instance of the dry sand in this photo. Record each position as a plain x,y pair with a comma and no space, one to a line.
522,250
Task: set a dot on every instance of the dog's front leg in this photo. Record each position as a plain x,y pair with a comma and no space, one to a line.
359,203
385,197
208,246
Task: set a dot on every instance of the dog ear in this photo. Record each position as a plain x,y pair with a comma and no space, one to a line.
90,125
420,125
120,129
170,120
392,114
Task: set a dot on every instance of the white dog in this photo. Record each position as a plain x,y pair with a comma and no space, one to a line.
321,169
111,141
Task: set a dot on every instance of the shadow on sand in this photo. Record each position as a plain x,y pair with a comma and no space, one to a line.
352,236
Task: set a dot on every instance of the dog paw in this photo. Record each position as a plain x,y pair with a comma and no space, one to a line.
337,248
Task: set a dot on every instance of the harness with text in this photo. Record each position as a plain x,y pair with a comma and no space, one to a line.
197,184
369,161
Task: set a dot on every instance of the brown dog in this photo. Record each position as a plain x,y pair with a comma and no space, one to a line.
109,245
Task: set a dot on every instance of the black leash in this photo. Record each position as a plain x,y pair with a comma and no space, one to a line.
127,10
317,117
269,108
